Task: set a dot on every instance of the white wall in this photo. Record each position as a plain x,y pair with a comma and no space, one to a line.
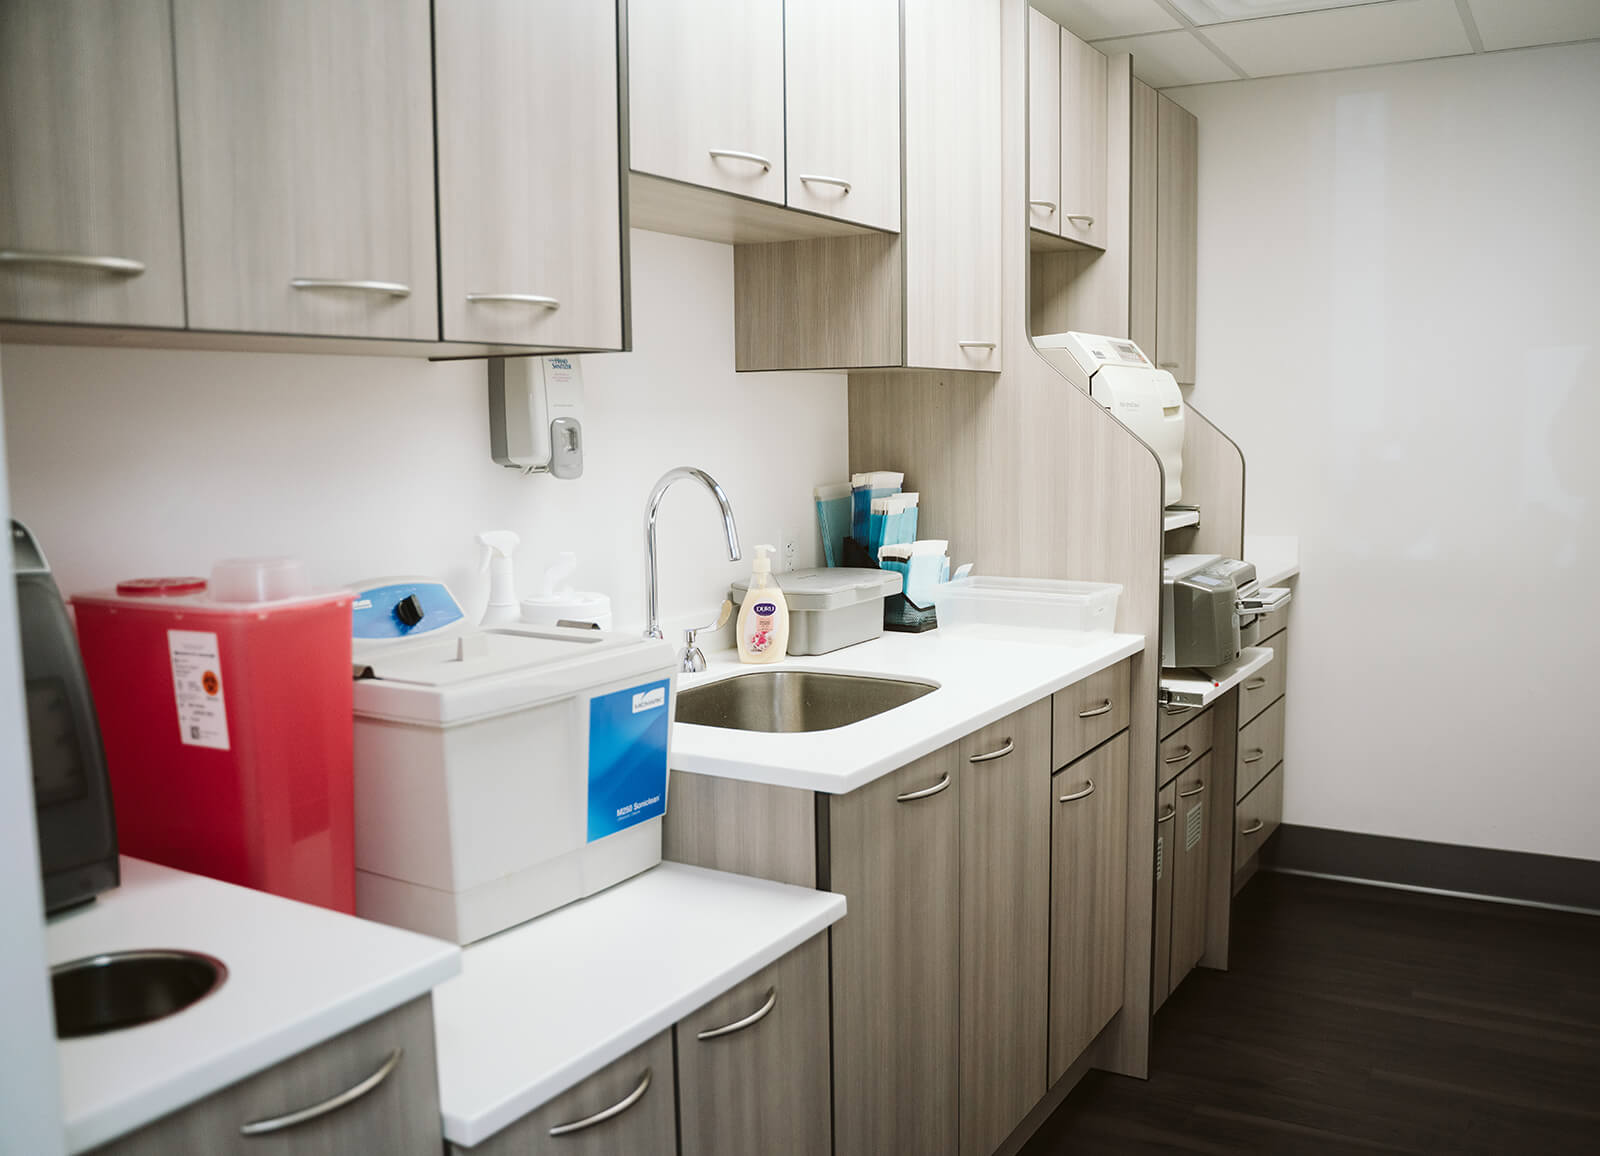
132,462
1399,311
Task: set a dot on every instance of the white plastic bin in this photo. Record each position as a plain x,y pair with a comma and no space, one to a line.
1029,603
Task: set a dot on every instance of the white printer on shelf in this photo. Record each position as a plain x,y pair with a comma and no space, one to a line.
501,772
1117,374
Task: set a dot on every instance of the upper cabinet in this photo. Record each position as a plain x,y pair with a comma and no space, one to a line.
1083,215
530,225
1177,236
1045,101
306,136
89,227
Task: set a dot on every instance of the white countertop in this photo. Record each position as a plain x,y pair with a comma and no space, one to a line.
1275,557
983,674
297,975
539,1007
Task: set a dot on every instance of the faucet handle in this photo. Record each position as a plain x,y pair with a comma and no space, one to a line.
690,660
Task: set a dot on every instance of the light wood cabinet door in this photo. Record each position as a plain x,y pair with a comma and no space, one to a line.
1084,132
1260,748
952,198
842,69
398,1114
705,93
89,228
1143,221
582,1117
1257,817
1166,818
530,219
1088,891
1190,855
1267,687
753,1063
1177,750
1044,122
1005,918
1089,712
1177,237
896,968
306,133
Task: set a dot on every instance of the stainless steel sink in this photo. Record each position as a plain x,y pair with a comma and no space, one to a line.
105,993
791,701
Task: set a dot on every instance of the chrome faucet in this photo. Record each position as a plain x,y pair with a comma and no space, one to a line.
687,658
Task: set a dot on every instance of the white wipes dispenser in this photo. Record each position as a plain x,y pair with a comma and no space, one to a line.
558,602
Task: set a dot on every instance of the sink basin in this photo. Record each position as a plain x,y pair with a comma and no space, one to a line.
792,701
105,993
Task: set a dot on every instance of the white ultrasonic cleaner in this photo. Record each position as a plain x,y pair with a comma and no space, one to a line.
503,772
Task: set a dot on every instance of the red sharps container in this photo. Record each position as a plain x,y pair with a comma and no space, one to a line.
225,711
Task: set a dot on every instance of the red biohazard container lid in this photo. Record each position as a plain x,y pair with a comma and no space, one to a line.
160,587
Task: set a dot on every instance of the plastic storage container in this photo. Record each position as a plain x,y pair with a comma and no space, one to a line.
1030,603
228,726
830,609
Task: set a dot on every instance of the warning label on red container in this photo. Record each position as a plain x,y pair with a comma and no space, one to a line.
197,685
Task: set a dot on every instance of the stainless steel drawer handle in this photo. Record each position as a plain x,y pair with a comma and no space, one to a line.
126,266
390,288
736,155
516,299
999,753
1103,708
1088,221
749,1021
1253,827
1088,789
1255,756
976,344
605,1114
332,1104
1181,755
1166,365
1179,708
1255,684
1192,792
1048,205
837,182
1170,811
913,796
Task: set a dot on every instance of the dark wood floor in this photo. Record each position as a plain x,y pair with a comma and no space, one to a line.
1357,1019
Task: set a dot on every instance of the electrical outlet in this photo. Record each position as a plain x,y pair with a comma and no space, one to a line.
789,548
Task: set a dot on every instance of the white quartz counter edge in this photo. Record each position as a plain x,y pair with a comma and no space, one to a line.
540,1007
297,976
982,675
1276,558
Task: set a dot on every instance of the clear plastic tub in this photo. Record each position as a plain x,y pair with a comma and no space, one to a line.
1030,604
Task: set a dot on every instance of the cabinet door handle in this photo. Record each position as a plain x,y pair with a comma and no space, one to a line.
1166,365
1088,221
1103,708
837,182
1192,792
1048,205
126,266
605,1114
1171,811
998,753
389,288
332,1104
913,796
976,344
1180,756
1255,684
749,1021
549,303
1254,756
1178,708
736,155
1088,789
1253,827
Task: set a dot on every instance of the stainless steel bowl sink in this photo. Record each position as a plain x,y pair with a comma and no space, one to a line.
105,993
791,701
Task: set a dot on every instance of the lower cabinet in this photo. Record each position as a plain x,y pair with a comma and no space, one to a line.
1088,887
625,1109
373,1089
1257,816
1161,970
753,1063
1190,853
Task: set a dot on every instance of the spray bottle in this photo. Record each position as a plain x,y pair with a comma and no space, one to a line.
503,607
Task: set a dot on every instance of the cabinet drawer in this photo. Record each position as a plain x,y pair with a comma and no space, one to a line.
1172,716
1257,817
1266,687
1260,748
625,1109
1183,747
399,1113
753,1063
1088,713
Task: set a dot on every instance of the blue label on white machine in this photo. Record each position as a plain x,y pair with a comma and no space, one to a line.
627,757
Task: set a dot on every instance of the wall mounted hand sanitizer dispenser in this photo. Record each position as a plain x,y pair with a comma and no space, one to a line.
536,414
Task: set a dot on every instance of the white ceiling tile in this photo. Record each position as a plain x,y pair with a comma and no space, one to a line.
1097,19
1220,11
1170,58
1344,37
1519,23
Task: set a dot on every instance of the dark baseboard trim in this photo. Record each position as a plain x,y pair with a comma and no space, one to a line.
1508,876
